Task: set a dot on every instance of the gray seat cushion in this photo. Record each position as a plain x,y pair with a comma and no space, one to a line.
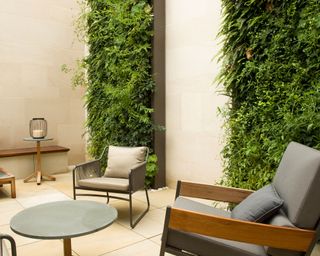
105,183
204,245
281,220
297,182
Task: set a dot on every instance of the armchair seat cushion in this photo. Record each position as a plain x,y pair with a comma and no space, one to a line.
105,183
204,245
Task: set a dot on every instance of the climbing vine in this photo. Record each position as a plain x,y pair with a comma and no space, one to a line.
271,72
118,74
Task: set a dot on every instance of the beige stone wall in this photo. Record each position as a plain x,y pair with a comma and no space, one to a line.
36,38
194,133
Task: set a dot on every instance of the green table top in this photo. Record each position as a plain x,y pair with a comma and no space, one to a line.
63,219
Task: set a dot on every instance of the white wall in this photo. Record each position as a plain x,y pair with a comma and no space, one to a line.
193,128
36,38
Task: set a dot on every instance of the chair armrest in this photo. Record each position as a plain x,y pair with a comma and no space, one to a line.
137,177
238,230
86,170
12,244
211,192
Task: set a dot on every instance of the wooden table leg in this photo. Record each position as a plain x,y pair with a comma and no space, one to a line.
29,177
37,174
67,247
48,177
13,187
38,164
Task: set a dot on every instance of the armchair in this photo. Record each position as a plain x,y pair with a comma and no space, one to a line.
192,228
125,174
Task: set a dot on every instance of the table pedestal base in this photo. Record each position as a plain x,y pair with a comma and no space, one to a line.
37,172
38,176
67,247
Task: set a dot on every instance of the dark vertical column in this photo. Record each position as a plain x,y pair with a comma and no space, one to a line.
159,103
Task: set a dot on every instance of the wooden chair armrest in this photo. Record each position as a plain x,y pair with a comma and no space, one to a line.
211,192
242,231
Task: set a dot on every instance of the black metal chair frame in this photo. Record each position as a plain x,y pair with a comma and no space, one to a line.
12,243
95,168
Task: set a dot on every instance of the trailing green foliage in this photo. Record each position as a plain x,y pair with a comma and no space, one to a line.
152,170
118,71
271,72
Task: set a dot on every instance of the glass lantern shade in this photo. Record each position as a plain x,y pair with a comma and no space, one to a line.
38,128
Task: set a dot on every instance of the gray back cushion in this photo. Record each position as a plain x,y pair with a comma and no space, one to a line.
259,206
297,182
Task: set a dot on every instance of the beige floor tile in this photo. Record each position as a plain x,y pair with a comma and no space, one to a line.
20,240
106,240
157,214
123,210
156,239
7,215
42,197
41,248
9,204
144,248
152,223
149,228
316,250
63,183
158,198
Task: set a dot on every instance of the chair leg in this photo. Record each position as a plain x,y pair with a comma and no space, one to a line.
165,232
13,188
74,185
74,194
134,223
108,197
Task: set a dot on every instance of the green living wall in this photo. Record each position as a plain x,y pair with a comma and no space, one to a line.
271,72
118,70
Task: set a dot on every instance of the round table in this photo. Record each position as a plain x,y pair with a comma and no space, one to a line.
63,220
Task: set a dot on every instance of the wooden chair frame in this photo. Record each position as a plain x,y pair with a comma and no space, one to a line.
12,244
231,229
8,179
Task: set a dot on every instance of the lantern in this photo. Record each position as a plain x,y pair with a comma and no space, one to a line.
38,128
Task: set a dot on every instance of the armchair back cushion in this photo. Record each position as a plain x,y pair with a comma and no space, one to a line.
259,206
297,182
122,159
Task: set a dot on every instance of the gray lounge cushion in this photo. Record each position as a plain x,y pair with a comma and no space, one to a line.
281,220
122,159
259,206
204,245
297,182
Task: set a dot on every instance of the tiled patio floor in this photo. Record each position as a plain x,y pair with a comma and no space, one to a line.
117,240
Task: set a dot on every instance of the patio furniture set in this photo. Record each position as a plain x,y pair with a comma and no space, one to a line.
279,219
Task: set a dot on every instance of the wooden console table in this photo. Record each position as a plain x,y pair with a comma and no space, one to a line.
38,172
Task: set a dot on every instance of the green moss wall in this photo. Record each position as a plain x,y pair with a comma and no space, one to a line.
271,72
